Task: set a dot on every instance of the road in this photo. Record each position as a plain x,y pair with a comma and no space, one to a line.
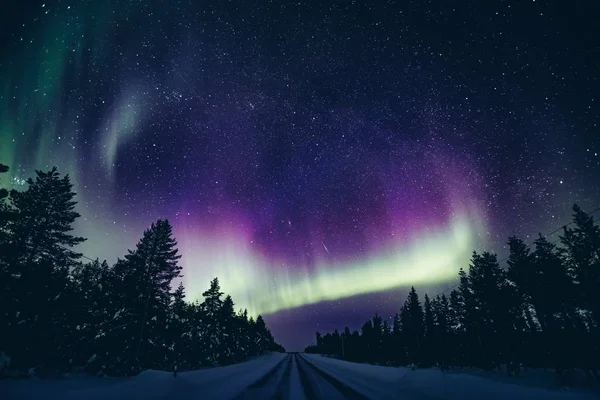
285,377
295,378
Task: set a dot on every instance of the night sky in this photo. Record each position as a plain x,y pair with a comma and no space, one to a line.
319,157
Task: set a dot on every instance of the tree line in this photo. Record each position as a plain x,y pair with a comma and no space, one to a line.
541,310
58,313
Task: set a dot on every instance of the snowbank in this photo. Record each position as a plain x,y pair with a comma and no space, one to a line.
213,383
392,383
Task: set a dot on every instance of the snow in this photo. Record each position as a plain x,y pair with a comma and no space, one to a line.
372,381
213,383
394,383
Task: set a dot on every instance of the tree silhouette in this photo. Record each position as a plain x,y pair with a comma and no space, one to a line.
4,209
427,358
211,309
413,326
36,260
539,311
59,313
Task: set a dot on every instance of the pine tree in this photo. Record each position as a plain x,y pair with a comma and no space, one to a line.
582,253
540,312
520,265
429,319
211,308
4,270
37,257
244,344
386,340
553,301
177,330
91,299
264,338
366,353
521,272
142,293
198,355
228,342
555,290
336,343
4,208
3,192
464,303
377,338
458,354
442,339
428,354
347,344
487,283
523,280
57,312
413,326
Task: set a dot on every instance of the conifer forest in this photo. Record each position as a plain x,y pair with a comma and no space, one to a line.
300,200
59,311
540,308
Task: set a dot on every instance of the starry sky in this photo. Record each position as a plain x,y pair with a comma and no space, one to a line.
319,157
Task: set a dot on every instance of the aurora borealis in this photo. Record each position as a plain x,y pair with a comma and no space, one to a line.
308,152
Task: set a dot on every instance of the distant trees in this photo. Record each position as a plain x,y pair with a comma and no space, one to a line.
543,310
58,312
3,196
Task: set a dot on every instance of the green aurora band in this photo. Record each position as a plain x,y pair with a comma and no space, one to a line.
45,97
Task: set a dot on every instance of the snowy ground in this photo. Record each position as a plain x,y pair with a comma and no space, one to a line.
398,383
282,376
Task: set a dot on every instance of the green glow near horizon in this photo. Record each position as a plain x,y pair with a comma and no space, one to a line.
432,257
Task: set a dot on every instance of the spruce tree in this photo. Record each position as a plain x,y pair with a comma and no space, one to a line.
3,192
37,256
228,324
212,327
413,326
442,340
347,345
92,298
198,354
539,312
177,330
4,208
487,283
4,274
386,337
553,300
244,342
142,285
377,338
522,275
366,351
428,355
555,289
458,353
582,253
265,339
521,272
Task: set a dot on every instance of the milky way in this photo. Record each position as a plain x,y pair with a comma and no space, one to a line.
308,152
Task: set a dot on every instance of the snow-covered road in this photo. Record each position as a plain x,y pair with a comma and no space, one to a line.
285,376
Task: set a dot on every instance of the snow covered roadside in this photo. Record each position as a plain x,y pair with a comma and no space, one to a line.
393,383
215,383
